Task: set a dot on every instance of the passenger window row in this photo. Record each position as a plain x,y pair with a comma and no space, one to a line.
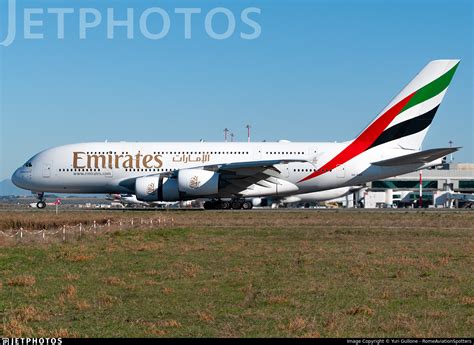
283,153
311,170
202,152
145,169
65,170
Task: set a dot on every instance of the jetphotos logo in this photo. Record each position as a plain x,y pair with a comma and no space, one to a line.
153,23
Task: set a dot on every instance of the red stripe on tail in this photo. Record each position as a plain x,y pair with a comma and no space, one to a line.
364,140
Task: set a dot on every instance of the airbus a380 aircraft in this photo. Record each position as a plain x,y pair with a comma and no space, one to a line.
389,146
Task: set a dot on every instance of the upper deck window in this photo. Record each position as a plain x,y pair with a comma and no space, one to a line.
28,164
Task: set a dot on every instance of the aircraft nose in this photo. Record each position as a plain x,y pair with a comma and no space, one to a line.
19,179
16,178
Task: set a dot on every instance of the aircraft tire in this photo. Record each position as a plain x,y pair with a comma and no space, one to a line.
236,205
41,204
247,205
209,205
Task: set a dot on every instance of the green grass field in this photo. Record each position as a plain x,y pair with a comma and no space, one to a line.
244,274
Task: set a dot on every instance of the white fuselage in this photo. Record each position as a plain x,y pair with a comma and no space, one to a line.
112,167
390,145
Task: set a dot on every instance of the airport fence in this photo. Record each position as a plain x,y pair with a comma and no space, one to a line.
77,231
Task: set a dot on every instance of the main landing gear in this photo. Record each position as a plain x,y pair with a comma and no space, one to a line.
234,204
41,203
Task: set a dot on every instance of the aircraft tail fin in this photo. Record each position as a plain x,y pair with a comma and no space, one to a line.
406,120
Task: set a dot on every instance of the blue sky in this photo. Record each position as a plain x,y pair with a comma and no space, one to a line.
319,71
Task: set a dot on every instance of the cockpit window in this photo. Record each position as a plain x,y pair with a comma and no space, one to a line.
28,164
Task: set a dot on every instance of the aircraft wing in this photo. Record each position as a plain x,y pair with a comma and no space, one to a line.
241,167
421,157
237,177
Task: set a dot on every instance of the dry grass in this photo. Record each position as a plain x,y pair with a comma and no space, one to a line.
250,296
25,313
22,280
467,300
16,329
279,299
113,281
167,290
297,324
328,218
82,305
57,333
106,301
16,321
251,274
363,310
48,220
71,277
157,332
205,316
168,324
69,292
80,258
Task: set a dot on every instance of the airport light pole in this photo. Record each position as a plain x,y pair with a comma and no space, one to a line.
421,190
248,133
226,130
451,155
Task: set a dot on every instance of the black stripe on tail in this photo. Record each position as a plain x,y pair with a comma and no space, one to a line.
406,128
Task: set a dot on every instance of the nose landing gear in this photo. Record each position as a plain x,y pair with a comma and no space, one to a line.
41,203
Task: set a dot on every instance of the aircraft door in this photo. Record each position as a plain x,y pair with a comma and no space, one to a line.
47,170
340,171
258,153
284,168
313,155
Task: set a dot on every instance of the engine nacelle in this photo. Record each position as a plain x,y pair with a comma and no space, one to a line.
189,183
196,182
262,202
156,188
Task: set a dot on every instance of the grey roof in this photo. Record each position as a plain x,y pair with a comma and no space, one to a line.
459,171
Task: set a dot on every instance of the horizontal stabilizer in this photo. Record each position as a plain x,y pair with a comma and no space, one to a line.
421,157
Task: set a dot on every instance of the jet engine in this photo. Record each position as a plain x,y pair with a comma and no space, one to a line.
195,182
189,184
156,188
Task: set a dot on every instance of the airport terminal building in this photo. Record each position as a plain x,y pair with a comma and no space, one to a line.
449,185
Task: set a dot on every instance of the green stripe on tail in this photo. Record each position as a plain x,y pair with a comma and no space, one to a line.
432,89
